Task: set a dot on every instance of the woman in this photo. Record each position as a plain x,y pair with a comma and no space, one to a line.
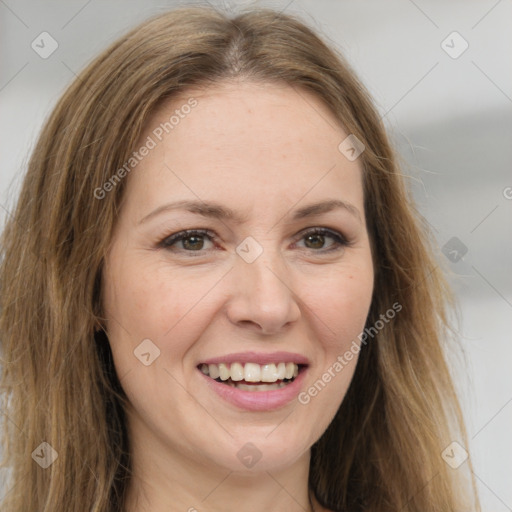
216,293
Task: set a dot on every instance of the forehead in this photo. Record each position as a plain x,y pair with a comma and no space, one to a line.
281,116
243,141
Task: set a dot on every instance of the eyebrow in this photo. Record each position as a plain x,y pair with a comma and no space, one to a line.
217,211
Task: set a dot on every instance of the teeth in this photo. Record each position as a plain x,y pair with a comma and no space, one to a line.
268,373
223,370
251,372
236,371
263,387
214,371
289,371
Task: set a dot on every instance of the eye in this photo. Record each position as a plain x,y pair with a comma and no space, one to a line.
194,240
191,240
315,239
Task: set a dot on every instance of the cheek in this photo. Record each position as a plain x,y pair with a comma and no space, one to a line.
339,308
341,305
150,301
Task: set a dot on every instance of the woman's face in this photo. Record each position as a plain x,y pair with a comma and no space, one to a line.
256,296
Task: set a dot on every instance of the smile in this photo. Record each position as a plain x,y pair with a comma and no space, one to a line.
255,381
253,376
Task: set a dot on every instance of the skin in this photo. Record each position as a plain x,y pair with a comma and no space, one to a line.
263,150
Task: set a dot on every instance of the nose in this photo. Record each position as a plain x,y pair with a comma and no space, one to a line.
262,296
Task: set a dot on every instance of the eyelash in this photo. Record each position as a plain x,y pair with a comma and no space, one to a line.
169,241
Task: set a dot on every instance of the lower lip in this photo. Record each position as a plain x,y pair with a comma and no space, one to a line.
257,400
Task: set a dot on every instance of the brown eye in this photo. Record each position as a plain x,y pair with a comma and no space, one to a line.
316,239
190,240
193,242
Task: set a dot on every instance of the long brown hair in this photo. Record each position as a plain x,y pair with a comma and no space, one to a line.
382,451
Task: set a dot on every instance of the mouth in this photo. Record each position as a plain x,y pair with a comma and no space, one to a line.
253,377
255,381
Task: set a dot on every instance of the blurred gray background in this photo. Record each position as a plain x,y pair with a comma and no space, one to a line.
446,99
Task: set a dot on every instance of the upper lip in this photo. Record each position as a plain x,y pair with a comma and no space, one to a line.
259,358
